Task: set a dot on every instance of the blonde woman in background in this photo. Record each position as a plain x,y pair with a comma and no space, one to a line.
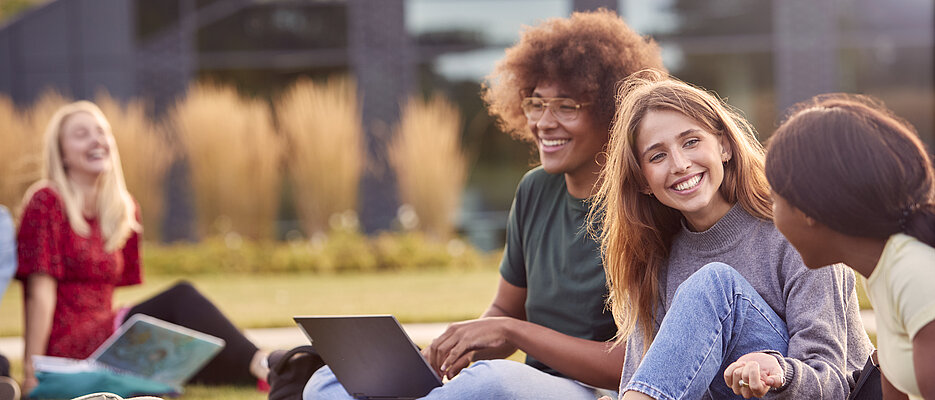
79,239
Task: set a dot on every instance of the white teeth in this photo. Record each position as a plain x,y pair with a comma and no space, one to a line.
96,154
689,183
555,142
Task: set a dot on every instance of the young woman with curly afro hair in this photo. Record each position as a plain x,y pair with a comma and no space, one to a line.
555,89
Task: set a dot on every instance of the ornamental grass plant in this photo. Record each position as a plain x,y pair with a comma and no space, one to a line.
19,155
22,132
41,111
430,166
233,156
145,156
321,124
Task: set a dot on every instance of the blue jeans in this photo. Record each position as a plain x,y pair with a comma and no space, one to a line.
715,317
491,379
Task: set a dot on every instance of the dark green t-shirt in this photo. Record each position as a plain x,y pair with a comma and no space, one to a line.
550,253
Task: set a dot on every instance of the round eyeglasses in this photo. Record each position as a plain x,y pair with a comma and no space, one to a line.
564,109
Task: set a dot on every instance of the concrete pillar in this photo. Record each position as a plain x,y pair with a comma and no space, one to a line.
805,50
381,58
588,5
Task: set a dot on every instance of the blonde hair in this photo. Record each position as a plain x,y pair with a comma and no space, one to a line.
637,230
115,208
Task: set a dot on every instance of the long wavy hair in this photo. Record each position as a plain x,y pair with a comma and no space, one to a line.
850,163
636,229
115,208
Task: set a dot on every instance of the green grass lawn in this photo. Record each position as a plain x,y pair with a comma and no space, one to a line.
259,301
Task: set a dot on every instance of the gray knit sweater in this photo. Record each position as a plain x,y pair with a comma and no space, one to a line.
820,307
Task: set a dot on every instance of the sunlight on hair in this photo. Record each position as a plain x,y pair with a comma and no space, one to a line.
430,166
145,155
321,122
233,155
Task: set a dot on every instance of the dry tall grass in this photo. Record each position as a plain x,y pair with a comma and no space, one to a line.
19,155
322,124
233,155
145,155
430,166
21,133
39,114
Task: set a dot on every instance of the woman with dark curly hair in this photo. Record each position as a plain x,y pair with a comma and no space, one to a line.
554,89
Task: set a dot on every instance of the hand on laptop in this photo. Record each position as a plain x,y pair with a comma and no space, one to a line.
454,349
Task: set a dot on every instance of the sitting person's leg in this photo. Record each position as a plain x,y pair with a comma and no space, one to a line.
4,366
715,317
184,305
491,379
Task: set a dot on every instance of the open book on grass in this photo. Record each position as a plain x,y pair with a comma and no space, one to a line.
143,349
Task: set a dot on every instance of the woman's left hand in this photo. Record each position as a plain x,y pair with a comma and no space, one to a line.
753,374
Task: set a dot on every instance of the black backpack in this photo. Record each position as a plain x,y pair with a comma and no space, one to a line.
868,385
290,371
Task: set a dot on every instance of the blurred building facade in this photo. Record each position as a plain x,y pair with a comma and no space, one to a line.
762,55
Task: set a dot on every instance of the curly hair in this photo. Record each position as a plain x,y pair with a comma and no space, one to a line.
586,54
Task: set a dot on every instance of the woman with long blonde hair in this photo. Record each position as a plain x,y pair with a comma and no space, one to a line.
79,239
703,288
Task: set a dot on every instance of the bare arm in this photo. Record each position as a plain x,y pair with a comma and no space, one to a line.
923,359
889,391
510,301
40,305
503,329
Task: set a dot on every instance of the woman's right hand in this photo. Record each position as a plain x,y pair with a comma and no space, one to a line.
452,351
753,374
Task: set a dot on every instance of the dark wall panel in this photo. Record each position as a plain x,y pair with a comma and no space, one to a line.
6,64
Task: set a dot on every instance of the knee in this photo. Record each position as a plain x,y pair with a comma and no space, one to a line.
711,278
322,385
717,271
494,376
183,289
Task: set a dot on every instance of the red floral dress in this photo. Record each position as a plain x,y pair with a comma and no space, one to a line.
85,273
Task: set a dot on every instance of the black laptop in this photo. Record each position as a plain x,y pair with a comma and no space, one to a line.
371,355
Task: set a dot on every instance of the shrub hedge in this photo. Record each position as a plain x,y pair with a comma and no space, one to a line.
337,252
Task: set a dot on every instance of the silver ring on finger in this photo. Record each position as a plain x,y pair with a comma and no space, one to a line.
743,384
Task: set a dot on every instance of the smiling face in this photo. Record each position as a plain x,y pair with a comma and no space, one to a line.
85,145
683,165
567,147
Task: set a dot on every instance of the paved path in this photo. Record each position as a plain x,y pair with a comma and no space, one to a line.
287,338
270,339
